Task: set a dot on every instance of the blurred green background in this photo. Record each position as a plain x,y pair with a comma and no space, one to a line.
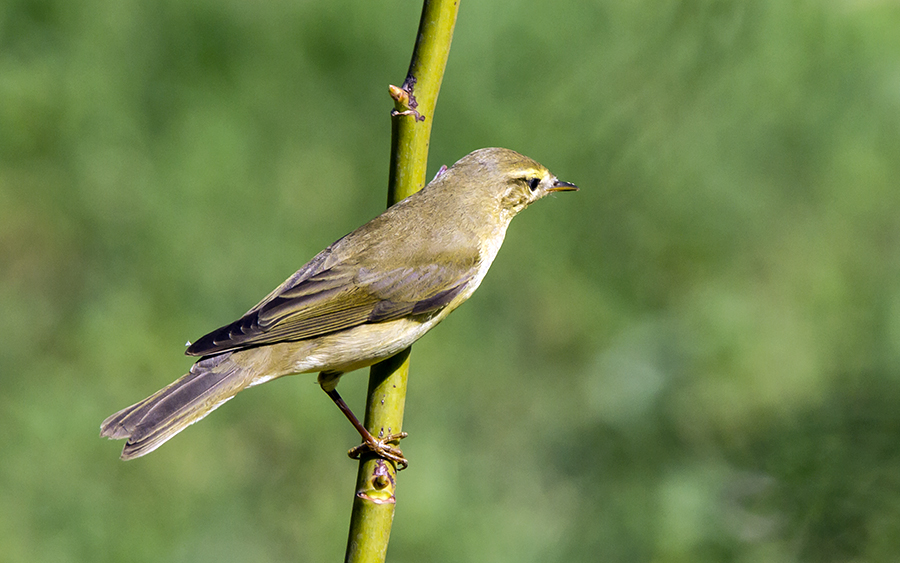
694,358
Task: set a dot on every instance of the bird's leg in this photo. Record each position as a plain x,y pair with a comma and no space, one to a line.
381,447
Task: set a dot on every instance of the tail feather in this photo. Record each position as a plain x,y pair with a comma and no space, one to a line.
151,422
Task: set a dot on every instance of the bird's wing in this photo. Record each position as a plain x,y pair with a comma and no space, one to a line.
323,298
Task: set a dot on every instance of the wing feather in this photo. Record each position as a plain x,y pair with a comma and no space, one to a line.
327,296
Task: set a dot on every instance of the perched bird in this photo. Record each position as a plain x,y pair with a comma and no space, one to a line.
363,299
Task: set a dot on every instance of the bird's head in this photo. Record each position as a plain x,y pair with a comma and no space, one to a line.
503,179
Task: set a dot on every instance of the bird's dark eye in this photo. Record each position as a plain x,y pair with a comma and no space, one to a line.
533,183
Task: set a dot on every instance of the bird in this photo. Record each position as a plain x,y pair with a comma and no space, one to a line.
363,299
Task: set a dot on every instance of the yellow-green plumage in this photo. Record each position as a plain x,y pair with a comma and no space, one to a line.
366,297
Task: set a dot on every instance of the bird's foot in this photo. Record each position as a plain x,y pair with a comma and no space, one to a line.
382,449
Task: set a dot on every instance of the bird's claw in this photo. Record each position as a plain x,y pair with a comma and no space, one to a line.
383,449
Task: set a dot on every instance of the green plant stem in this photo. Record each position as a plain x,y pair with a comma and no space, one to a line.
414,103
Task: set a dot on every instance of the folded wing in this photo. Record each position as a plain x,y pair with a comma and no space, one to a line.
327,296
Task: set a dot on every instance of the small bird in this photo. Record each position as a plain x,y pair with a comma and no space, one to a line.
363,299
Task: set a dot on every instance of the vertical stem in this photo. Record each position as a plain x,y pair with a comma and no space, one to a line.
414,103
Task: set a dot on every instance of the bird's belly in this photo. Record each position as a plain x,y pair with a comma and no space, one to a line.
364,345
342,351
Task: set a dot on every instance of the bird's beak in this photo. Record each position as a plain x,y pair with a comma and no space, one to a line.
560,186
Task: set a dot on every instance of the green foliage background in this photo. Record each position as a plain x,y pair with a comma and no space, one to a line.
694,358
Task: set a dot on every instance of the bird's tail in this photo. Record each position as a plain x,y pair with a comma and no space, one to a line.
151,422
